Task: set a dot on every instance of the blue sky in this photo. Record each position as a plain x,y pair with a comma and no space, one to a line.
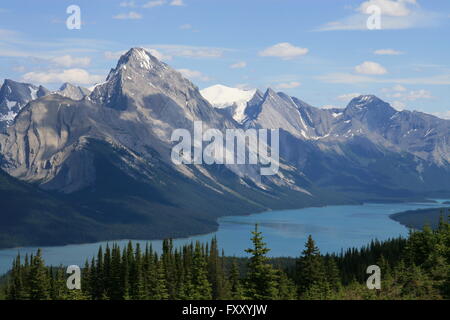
319,51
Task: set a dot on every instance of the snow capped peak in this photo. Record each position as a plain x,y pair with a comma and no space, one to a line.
138,58
221,96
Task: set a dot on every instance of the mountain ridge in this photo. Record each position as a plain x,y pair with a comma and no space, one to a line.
110,152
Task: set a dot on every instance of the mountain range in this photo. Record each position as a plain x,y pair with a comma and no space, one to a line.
100,160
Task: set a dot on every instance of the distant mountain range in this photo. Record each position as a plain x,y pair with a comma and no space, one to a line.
104,156
15,95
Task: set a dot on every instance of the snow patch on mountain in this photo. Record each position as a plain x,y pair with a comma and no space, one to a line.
221,96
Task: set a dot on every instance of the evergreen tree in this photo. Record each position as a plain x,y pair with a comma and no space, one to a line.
286,287
261,280
137,286
159,290
39,280
201,286
16,290
216,273
310,271
236,290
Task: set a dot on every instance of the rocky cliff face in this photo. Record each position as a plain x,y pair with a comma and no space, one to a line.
13,97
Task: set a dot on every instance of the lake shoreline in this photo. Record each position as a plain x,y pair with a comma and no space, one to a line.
216,227
335,227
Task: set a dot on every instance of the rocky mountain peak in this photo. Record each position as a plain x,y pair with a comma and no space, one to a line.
137,60
370,108
73,92
13,97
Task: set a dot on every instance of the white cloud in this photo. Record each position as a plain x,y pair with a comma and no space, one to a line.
329,106
76,76
443,114
159,55
398,105
402,96
395,15
128,4
238,65
419,94
155,3
411,95
68,61
193,74
372,68
288,85
396,88
128,16
348,96
284,50
177,3
388,52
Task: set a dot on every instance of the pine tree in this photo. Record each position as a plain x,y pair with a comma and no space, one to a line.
98,276
167,258
16,290
286,287
115,283
332,274
39,280
137,287
310,270
86,280
107,272
159,290
236,290
216,273
125,274
202,287
261,280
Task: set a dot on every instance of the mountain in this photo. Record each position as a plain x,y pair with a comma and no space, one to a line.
367,148
233,100
73,92
110,154
13,97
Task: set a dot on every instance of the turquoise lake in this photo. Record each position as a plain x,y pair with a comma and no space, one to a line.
332,227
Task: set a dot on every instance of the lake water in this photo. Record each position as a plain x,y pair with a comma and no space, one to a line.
332,227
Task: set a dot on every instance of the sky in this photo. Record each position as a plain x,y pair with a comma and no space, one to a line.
324,52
